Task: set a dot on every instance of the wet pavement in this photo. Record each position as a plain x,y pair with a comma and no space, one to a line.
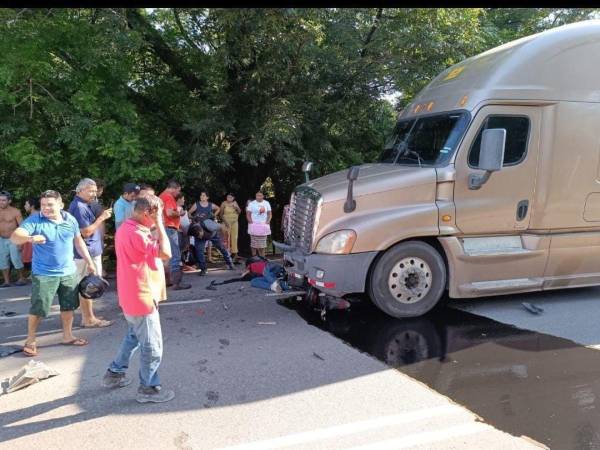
522,382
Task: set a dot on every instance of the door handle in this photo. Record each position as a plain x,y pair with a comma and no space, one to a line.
522,208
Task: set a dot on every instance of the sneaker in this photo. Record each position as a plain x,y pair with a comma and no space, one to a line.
154,394
202,272
114,380
275,287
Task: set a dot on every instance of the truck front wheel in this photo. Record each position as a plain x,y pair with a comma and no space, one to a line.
408,280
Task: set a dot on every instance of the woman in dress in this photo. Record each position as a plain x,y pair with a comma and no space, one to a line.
230,212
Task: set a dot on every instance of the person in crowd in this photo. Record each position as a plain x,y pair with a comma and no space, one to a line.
53,233
90,227
172,220
184,225
139,290
10,219
32,206
201,212
230,212
98,208
123,207
258,213
146,189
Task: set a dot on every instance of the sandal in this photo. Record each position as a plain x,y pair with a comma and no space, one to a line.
99,324
77,342
30,349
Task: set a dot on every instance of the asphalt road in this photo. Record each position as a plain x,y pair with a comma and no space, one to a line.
247,372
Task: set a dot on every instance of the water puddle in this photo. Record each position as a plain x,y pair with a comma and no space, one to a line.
519,381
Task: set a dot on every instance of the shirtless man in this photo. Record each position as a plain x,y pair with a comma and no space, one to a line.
10,219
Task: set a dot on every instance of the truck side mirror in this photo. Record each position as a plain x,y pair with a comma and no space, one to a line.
306,167
491,156
350,204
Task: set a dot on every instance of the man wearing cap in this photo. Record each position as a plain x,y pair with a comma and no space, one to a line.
123,207
90,227
10,219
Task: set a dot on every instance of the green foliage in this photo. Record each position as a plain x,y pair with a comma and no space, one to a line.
222,99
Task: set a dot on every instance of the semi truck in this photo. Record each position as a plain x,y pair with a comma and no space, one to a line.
489,185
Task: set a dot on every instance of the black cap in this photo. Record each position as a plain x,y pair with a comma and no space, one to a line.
128,188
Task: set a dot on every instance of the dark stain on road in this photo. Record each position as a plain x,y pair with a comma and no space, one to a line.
212,398
519,381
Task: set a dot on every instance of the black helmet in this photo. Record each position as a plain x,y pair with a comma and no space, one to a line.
92,286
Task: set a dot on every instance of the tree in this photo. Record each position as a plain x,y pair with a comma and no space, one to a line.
222,99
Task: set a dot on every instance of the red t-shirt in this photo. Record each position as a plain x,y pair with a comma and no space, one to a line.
170,203
138,274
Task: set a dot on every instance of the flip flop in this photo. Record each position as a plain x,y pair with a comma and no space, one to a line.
30,349
4,285
77,342
99,324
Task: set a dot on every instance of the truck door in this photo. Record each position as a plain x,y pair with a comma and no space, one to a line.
504,203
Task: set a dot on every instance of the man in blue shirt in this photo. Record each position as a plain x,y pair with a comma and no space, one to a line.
53,233
91,227
123,207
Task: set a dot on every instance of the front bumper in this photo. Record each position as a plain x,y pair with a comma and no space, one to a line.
335,275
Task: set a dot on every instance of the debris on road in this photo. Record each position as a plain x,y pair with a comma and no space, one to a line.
316,355
533,309
9,314
6,350
29,374
267,323
200,312
225,306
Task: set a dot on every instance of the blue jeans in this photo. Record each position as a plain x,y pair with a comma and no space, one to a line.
269,276
144,332
175,261
200,246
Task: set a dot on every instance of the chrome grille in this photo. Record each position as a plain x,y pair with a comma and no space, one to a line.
303,210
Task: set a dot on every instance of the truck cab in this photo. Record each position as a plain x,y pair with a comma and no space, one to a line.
489,185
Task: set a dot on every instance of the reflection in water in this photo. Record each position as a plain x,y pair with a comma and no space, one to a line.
522,382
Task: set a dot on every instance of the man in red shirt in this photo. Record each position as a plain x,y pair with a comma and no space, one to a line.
172,218
139,288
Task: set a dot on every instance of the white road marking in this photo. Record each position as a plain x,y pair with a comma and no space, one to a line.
427,437
184,302
350,428
162,304
14,299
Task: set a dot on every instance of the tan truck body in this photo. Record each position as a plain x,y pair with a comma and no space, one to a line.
552,80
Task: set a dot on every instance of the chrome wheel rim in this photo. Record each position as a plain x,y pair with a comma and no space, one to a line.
409,280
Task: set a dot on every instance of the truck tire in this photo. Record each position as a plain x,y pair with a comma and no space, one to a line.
408,280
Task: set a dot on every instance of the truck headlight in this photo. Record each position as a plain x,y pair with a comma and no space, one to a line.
337,243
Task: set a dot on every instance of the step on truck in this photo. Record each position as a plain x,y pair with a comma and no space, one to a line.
489,185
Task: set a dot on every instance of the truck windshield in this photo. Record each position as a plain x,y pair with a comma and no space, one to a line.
426,141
